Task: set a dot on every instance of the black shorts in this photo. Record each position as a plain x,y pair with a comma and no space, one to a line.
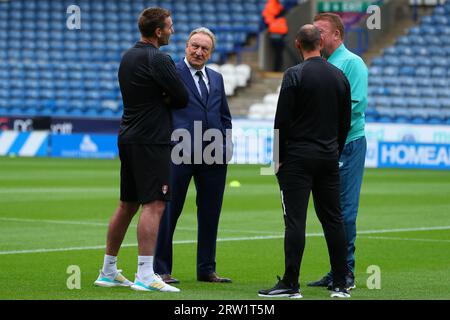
144,172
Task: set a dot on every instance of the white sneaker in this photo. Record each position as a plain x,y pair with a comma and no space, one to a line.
339,293
155,284
118,280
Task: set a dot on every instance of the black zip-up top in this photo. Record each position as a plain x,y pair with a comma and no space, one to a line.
313,111
150,86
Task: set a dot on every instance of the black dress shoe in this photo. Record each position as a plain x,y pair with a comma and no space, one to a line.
326,281
167,278
212,277
349,282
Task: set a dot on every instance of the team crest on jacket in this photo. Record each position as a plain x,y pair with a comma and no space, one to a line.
165,188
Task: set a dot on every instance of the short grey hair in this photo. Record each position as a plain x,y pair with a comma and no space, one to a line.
204,31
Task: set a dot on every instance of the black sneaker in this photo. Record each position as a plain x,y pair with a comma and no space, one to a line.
281,290
349,282
326,281
339,293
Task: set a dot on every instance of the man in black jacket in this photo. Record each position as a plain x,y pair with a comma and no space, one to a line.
312,119
149,84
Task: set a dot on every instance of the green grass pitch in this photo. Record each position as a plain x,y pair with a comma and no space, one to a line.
54,214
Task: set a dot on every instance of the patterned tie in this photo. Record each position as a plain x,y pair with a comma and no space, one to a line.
203,88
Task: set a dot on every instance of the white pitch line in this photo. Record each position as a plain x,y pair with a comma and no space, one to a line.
55,190
131,245
406,239
102,224
404,230
68,222
260,232
105,224
224,240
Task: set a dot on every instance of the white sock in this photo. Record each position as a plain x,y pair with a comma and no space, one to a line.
109,265
145,268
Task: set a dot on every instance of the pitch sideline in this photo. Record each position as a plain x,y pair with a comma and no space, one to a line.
262,237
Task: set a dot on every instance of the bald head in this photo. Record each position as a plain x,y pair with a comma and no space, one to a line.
308,37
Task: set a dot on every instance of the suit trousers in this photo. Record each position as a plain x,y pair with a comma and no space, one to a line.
297,177
210,185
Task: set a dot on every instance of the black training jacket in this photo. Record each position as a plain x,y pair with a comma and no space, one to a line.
150,86
314,111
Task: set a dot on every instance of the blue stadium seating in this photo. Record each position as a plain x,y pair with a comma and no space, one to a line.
45,66
410,82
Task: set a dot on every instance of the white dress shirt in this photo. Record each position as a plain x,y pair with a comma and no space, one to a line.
195,77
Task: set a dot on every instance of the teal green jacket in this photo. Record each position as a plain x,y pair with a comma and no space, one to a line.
357,74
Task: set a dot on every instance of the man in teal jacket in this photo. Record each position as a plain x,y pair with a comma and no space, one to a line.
351,162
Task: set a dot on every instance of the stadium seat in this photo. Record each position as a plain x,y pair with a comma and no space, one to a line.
382,101
423,72
414,102
445,107
385,119
407,71
409,61
391,61
439,11
375,81
257,111
440,61
428,92
399,50
402,119
440,20
214,66
443,92
398,102
243,72
378,91
418,120
431,103
389,80
440,82
230,84
433,40
375,71
423,82
411,91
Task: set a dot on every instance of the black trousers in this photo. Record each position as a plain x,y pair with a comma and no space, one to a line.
277,43
297,178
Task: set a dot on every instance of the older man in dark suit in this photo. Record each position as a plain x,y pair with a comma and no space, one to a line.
207,109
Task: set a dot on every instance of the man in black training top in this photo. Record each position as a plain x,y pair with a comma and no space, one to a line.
312,119
149,84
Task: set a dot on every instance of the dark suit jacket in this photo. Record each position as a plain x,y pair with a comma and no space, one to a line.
215,114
